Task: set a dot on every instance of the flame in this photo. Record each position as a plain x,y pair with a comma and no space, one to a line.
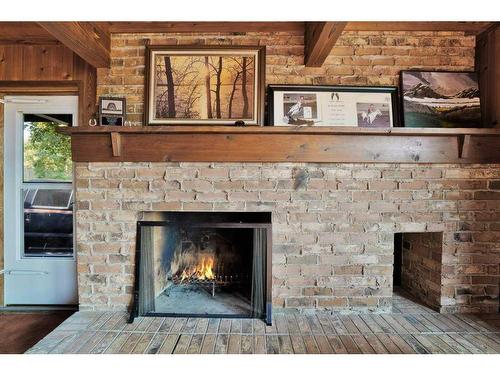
204,270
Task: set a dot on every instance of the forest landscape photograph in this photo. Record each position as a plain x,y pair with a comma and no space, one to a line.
204,87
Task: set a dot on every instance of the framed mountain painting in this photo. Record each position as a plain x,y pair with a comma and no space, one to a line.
204,85
440,99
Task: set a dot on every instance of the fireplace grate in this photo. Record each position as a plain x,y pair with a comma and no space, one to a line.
218,282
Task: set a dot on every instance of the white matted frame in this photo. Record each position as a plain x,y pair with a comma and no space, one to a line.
356,106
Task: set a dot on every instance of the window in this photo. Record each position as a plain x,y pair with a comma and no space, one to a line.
47,189
46,153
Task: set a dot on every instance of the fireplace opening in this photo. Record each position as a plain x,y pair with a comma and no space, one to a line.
199,264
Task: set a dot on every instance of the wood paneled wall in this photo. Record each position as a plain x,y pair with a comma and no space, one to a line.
37,67
488,66
35,63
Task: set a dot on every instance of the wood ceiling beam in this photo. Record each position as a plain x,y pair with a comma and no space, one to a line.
319,39
199,27
33,33
468,27
12,30
203,27
89,40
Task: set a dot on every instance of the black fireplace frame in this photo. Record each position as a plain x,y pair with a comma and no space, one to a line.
267,316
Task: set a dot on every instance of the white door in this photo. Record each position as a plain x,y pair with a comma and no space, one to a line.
39,257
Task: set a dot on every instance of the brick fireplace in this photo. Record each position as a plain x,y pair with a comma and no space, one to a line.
333,233
333,223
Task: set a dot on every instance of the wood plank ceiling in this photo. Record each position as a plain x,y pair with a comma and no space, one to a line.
91,40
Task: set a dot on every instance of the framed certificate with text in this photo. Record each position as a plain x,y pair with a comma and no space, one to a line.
357,106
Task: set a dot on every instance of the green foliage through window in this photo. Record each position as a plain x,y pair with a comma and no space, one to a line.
47,154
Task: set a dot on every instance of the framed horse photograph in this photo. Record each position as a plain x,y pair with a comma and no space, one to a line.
357,106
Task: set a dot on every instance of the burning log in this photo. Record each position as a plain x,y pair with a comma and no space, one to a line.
204,270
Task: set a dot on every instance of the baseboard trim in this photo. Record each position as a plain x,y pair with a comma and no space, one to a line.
37,308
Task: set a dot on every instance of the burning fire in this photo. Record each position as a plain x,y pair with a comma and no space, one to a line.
204,270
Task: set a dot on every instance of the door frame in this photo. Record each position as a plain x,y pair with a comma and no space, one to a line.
13,169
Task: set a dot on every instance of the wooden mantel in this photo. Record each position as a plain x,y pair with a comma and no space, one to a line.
283,144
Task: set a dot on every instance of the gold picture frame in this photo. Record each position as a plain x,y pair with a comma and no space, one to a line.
204,85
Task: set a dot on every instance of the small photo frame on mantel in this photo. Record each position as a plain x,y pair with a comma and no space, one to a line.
112,111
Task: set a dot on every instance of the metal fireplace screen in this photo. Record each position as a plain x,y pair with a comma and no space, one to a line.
204,266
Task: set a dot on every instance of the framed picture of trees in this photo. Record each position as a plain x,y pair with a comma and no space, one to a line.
204,85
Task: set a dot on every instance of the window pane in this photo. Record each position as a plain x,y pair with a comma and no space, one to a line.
48,222
58,199
47,154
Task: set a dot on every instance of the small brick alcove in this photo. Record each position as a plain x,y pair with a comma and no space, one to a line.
418,266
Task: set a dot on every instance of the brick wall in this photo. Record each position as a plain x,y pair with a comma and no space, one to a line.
421,266
332,239
359,58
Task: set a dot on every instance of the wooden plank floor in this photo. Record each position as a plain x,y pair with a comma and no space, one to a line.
409,329
19,331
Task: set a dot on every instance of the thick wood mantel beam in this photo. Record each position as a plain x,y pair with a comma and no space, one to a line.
282,144
319,39
90,40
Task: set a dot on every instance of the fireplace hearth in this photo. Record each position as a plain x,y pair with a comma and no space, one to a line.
204,264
